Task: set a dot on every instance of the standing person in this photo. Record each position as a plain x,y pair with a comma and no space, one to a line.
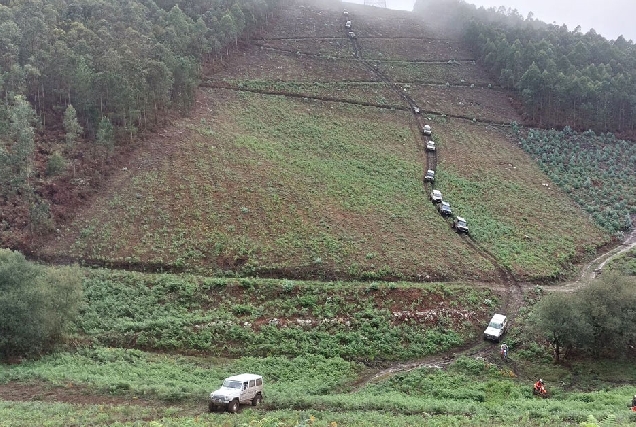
504,351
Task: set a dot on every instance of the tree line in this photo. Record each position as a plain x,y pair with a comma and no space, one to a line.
563,77
124,60
96,71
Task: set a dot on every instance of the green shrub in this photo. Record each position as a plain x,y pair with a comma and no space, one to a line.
55,164
36,304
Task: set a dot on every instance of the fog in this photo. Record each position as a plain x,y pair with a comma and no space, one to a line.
610,18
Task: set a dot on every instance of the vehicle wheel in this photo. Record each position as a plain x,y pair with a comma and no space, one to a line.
233,406
258,399
211,407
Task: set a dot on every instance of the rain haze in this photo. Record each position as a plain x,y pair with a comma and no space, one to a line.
610,18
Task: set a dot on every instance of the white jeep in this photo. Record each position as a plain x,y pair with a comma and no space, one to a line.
496,327
236,390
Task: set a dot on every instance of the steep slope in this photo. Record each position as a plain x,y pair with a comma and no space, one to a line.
301,161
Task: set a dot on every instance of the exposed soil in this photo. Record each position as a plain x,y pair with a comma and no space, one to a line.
44,392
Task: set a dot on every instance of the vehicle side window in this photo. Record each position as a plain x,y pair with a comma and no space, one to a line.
259,381
251,383
245,385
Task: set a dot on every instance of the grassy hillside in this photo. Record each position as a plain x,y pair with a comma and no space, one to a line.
256,183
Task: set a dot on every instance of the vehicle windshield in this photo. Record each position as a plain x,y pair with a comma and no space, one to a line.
495,325
232,384
462,223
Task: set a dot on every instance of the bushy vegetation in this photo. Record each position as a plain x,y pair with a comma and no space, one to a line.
311,180
274,317
597,171
279,186
624,264
36,304
597,320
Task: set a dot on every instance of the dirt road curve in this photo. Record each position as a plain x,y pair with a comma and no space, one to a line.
595,267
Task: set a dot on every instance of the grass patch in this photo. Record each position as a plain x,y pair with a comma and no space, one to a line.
228,317
513,210
306,391
282,187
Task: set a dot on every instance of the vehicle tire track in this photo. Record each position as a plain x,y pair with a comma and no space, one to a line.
513,291
514,294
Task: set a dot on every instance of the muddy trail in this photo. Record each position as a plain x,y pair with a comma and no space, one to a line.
514,293
595,267
513,290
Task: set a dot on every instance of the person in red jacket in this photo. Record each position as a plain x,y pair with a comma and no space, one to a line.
539,388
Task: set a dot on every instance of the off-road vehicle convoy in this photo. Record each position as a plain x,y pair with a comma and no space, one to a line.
237,390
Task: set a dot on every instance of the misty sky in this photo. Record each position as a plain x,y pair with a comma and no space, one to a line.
609,18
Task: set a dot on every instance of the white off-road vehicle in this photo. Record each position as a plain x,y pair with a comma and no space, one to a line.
430,145
237,390
426,130
496,327
460,225
436,196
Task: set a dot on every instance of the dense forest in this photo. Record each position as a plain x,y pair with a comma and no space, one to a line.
75,76
563,77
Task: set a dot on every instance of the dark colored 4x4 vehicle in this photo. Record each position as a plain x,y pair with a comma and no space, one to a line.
444,209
